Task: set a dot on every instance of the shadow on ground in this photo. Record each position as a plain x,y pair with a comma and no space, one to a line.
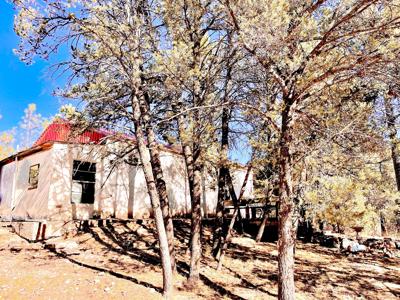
320,273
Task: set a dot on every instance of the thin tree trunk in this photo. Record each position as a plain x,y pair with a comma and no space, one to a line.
194,176
225,241
160,182
192,149
228,237
391,124
192,154
261,229
222,178
235,200
286,287
196,250
154,197
145,157
223,170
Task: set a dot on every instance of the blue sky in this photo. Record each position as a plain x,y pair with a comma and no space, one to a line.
21,84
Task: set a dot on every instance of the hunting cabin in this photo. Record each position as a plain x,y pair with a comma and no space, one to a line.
61,180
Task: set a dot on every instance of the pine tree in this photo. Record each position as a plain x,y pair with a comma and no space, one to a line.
31,126
312,51
111,43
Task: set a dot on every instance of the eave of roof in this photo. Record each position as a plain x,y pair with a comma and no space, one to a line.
26,152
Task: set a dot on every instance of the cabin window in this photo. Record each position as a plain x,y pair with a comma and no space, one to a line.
83,182
33,176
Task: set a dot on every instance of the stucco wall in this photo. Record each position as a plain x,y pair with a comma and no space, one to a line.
120,192
60,206
128,186
28,203
174,172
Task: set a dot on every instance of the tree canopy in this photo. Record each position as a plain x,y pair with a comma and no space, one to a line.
299,81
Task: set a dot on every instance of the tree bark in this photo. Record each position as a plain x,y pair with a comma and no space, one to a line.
193,169
160,182
394,143
154,197
222,178
286,287
223,170
192,148
196,250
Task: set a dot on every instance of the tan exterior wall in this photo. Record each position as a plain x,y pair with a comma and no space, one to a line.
27,203
120,193
60,206
174,171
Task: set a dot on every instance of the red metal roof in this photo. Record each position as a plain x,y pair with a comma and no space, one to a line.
60,131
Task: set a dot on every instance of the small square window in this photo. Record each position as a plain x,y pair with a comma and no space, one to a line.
33,176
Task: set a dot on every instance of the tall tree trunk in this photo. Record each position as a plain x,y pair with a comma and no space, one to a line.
223,169
140,120
160,182
394,143
196,250
286,287
194,176
154,197
222,177
228,236
192,152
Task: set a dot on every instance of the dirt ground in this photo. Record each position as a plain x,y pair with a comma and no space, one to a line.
120,260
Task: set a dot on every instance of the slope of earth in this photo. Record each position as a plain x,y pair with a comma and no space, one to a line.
120,260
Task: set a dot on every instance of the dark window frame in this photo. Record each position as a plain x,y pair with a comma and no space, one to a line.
33,179
83,175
